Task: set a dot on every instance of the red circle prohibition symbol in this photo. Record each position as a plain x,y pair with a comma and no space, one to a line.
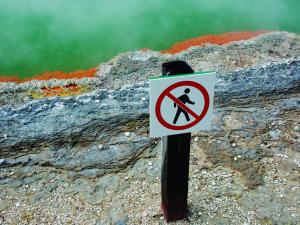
167,93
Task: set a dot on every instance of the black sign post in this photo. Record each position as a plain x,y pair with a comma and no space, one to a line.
175,161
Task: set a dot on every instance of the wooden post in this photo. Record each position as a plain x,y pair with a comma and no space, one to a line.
175,161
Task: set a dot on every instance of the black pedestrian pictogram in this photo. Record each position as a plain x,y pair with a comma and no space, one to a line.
167,94
184,99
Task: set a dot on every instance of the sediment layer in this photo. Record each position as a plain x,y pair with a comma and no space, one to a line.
117,101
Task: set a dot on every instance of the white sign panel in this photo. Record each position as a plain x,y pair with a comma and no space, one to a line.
181,104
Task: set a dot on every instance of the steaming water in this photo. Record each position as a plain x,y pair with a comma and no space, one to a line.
38,36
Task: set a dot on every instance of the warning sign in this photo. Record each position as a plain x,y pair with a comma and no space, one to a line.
181,103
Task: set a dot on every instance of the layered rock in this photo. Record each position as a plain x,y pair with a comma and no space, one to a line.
107,127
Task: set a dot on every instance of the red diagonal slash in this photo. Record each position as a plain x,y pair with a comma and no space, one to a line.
182,105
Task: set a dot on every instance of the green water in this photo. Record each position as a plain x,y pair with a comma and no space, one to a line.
44,35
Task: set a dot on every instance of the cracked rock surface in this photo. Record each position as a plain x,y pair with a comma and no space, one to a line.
87,159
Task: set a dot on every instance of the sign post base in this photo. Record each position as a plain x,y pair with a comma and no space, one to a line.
174,176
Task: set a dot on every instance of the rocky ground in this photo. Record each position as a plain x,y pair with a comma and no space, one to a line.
87,159
245,173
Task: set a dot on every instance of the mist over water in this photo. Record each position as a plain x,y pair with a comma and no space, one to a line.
43,35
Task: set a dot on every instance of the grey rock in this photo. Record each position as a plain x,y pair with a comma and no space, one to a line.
44,193
2,161
291,104
1,220
116,213
274,134
59,131
120,222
